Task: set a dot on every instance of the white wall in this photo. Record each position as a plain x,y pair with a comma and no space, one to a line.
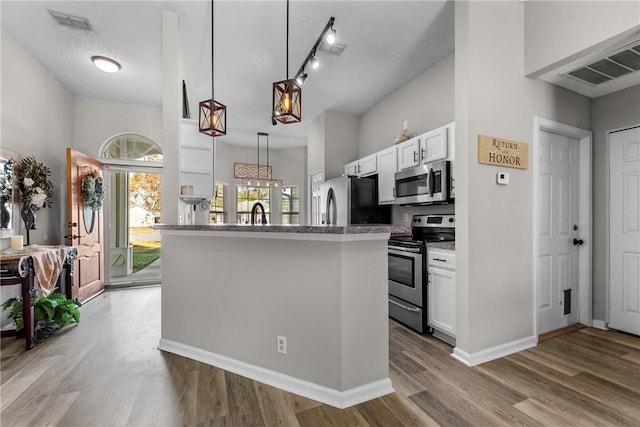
555,30
37,119
611,112
495,223
426,102
99,120
288,164
332,141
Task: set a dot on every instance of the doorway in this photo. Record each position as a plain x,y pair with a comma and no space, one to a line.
562,225
133,173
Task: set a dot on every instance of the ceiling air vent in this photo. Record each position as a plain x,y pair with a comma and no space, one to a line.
613,66
332,49
70,20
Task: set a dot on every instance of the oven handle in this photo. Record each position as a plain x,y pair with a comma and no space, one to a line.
414,310
402,249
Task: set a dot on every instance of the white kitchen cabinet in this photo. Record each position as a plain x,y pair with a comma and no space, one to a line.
441,289
408,152
362,167
387,168
195,162
434,145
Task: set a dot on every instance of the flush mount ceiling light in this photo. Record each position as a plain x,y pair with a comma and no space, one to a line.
328,35
105,64
287,95
213,115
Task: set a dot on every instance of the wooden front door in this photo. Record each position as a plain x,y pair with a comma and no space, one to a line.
84,228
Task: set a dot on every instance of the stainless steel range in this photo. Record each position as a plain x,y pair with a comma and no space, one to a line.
408,268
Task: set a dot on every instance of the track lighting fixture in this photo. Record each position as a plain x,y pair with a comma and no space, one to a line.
328,34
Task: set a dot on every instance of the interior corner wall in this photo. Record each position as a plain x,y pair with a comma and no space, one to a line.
426,103
316,146
172,76
37,120
611,112
340,142
92,130
495,230
555,30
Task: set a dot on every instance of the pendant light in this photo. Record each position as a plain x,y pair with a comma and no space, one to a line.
265,179
213,115
287,95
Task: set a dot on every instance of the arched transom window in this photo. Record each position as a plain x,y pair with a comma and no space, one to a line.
132,147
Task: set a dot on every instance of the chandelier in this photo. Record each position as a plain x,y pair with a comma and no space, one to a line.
260,175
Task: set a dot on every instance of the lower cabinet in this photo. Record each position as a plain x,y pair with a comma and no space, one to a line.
441,314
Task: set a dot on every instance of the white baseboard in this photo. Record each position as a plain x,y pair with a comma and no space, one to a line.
338,399
599,324
472,359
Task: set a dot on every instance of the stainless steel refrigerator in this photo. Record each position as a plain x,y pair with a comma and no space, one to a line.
350,200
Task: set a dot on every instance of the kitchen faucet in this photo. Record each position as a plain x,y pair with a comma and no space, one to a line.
255,207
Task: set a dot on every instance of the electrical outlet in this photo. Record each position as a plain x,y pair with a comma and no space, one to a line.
406,218
282,345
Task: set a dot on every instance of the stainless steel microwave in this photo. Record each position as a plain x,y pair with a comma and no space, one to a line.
422,185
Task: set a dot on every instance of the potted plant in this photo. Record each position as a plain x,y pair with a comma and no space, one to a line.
50,313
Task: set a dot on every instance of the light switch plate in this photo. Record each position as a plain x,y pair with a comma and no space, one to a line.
502,178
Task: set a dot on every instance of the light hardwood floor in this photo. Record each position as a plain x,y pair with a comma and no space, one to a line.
107,371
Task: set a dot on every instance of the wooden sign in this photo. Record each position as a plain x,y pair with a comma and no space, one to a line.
502,152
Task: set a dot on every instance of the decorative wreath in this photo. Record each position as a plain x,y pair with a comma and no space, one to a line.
93,191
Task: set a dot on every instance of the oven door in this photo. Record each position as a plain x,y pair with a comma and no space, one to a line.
406,274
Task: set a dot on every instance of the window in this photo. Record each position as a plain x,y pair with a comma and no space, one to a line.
291,204
216,210
246,197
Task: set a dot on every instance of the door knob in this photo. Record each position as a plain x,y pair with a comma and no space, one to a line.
578,242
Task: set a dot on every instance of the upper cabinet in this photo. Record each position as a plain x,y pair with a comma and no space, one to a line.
387,168
362,167
426,148
196,163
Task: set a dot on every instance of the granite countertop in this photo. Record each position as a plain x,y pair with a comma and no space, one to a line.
276,228
442,245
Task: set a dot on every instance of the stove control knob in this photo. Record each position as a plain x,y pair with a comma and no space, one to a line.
418,220
451,219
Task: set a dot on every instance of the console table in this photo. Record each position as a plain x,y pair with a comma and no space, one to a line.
17,269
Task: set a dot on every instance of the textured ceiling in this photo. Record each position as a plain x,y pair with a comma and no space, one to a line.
388,44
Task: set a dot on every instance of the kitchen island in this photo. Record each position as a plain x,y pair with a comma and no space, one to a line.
230,291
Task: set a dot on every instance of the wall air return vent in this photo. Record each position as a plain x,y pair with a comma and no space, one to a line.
611,67
70,20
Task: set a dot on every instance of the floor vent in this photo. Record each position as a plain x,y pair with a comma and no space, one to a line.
70,20
610,67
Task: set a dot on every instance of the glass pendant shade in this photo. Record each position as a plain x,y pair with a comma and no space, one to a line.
213,122
287,102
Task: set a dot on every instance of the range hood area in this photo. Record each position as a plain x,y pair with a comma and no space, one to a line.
606,68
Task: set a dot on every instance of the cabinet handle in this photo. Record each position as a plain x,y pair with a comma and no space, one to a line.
394,192
358,168
415,156
422,154
441,260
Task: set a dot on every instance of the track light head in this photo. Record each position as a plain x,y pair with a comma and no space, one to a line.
301,78
314,62
331,36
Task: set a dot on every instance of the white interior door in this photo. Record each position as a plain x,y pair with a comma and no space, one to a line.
624,241
557,287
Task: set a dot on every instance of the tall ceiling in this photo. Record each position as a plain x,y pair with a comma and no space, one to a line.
387,44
